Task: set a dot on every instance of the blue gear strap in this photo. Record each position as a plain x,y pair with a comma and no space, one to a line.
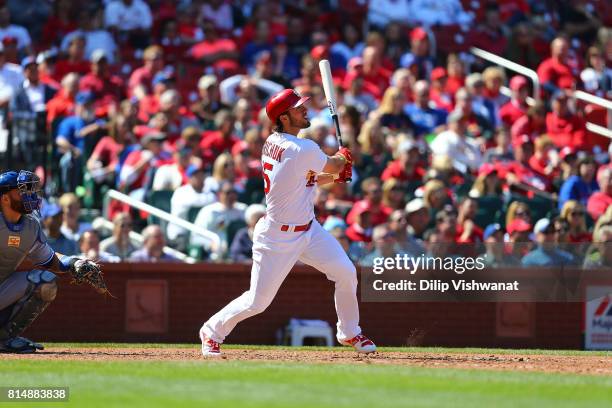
66,262
38,276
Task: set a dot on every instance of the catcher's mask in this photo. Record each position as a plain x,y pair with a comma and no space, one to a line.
28,185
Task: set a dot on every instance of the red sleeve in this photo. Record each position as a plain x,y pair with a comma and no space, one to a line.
229,45
141,130
387,173
51,111
519,128
60,70
509,113
350,217
117,81
134,81
84,84
200,50
132,158
594,206
238,148
102,148
386,210
579,134
598,204
536,165
208,138
545,72
235,143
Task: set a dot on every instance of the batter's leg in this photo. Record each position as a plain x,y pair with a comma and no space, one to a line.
269,270
325,253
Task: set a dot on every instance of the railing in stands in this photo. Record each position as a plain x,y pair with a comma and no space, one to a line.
212,238
596,100
496,59
103,223
531,74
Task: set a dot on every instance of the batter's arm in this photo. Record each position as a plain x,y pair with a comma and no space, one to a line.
325,178
334,164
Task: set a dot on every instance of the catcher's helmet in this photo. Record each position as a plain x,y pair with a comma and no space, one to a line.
28,185
282,101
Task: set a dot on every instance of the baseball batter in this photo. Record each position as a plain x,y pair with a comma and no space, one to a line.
289,232
26,284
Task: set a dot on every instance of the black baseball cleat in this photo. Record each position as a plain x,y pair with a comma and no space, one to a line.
20,345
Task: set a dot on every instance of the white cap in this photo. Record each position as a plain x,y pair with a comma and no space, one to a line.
252,210
97,55
473,79
541,226
207,81
407,145
415,205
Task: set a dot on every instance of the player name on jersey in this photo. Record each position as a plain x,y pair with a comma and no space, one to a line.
273,151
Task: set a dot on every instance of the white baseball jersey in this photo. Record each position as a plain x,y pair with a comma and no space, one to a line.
290,166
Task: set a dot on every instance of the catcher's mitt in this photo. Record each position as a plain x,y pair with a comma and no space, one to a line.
86,271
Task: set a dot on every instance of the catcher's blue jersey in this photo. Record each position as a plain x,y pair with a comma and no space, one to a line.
25,239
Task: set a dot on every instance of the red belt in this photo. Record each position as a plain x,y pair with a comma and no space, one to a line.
297,228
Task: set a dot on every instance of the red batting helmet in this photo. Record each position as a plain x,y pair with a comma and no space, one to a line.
283,101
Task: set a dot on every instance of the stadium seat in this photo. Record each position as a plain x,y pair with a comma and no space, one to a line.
232,229
197,252
253,191
193,213
599,116
411,187
462,190
541,207
159,199
489,208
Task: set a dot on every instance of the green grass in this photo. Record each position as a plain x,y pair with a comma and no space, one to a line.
205,383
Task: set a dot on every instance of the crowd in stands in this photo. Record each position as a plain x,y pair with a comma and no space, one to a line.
164,101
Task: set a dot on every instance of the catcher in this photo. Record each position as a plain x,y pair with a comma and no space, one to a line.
27,262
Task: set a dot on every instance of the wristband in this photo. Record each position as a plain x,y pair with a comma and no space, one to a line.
343,157
66,262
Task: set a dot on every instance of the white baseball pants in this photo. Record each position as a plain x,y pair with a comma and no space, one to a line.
275,252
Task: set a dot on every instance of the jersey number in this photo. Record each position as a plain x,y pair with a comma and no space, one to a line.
311,178
267,167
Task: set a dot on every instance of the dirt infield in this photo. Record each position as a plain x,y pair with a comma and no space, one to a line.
578,364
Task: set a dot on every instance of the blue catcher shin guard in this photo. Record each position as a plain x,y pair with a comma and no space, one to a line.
41,292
